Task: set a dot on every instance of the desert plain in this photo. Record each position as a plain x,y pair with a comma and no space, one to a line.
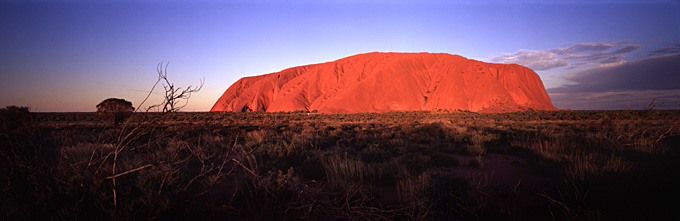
423,165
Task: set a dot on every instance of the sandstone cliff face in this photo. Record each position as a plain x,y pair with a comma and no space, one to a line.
382,82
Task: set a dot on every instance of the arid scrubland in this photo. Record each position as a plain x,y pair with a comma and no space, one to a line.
402,165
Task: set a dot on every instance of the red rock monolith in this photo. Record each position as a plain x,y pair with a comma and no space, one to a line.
383,82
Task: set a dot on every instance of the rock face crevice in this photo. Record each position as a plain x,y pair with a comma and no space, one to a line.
382,82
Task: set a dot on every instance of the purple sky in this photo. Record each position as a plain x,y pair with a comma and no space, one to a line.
70,55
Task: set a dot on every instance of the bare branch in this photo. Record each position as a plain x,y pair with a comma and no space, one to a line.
174,95
127,172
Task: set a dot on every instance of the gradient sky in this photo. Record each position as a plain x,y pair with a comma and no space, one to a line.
69,55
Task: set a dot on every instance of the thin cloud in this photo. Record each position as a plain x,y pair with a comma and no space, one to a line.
655,73
574,56
144,91
627,49
537,60
602,61
585,47
616,59
588,57
666,50
612,59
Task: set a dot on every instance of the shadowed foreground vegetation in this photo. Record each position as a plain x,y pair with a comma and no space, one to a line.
593,165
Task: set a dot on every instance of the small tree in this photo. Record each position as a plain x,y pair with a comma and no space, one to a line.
115,109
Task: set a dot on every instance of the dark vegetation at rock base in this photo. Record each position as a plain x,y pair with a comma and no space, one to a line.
401,165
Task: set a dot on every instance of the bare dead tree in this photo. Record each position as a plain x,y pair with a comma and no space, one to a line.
171,103
174,95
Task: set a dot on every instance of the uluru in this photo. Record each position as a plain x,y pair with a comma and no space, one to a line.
384,82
